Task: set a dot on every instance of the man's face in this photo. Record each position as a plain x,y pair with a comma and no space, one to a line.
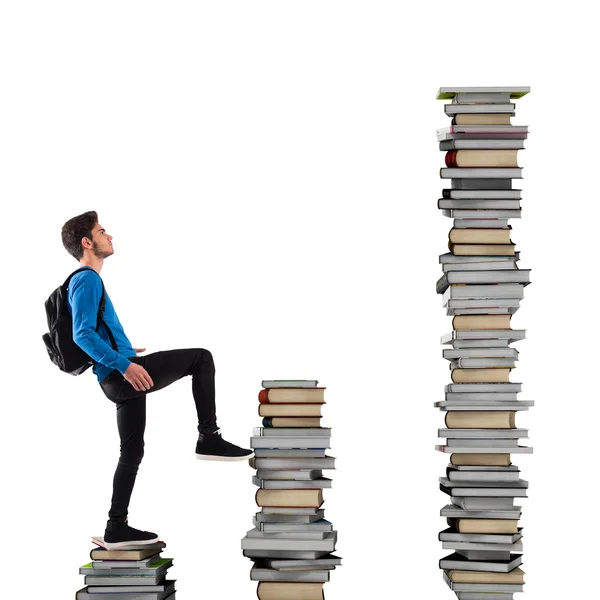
102,242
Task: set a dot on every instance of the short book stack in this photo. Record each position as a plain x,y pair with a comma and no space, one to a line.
482,287
131,572
291,542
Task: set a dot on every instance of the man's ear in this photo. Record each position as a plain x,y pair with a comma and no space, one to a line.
86,243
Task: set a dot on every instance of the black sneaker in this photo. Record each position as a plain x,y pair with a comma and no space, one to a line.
119,534
211,446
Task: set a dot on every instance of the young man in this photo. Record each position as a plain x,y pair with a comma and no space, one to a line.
126,378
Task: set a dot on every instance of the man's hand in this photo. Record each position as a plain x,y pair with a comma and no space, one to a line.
138,377
138,350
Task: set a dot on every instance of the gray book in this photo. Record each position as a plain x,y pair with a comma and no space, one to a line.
482,587
328,560
289,442
285,554
297,474
291,484
500,265
287,535
462,546
327,462
485,291
485,303
494,554
514,489
289,452
482,443
87,593
480,468
451,511
258,574
481,396
459,562
449,258
483,596
482,363
451,312
299,432
465,132
512,335
291,510
451,353
466,485
455,475
483,277
123,580
466,183
482,388
327,544
480,343
469,109
481,223
479,144
280,519
481,172
475,503
289,383
481,194
482,213
487,98
450,535
484,449
482,433
322,525
450,405
465,449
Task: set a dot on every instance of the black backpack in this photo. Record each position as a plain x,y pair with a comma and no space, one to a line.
63,351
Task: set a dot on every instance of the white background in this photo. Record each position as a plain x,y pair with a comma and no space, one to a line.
269,172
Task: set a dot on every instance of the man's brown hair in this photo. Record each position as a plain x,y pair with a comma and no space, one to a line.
76,228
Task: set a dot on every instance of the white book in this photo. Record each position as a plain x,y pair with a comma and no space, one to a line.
327,544
481,172
291,484
289,383
285,442
513,335
460,109
482,450
452,353
454,512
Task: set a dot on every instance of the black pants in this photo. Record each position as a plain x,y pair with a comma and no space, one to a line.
164,368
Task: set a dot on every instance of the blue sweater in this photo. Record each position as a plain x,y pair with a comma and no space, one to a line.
83,300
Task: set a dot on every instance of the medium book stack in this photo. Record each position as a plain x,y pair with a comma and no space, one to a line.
482,287
130,572
291,543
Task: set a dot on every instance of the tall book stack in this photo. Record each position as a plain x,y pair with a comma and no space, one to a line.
482,288
292,542
129,572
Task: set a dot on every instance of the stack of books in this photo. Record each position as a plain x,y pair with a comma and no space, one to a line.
482,287
130,572
291,542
